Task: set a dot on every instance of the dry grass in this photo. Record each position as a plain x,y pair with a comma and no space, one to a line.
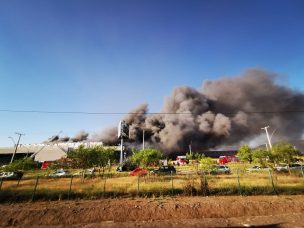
123,184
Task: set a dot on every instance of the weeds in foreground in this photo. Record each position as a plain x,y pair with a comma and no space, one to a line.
109,186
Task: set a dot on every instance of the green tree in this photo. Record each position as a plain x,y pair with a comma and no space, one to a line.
261,156
104,156
21,164
284,152
86,157
207,163
147,157
193,156
245,153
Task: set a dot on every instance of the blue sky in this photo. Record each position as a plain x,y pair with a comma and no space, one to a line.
111,55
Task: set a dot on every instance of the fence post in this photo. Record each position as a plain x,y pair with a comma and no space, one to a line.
18,182
1,184
239,184
70,187
204,185
138,184
172,189
104,185
272,183
193,181
34,192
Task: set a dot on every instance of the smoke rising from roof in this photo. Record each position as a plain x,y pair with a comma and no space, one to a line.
79,137
226,111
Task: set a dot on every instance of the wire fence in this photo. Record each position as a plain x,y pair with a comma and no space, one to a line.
120,185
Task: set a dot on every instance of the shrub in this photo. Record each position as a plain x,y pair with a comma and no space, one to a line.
22,164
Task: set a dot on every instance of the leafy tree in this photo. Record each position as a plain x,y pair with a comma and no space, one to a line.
21,164
261,156
147,157
87,157
194,156
207,163
284,152
245,153
65,163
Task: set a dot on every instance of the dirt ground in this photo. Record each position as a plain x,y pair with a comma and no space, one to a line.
231,211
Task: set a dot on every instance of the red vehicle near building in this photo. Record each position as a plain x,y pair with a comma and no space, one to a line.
227,159
46,164
180,160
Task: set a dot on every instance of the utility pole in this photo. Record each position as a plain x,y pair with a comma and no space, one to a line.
267,147
20,134
269,142
123,132
121,151
143,139
190,150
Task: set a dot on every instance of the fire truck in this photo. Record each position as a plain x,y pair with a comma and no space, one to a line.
227,159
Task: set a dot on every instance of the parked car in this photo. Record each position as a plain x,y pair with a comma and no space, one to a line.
165,170
59,173
138,171
85,172
46,164
286,168
126,166
15,175
257,168
281,167
296,166
180,160
220,169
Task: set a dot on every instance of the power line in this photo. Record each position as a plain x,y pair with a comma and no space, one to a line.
148,113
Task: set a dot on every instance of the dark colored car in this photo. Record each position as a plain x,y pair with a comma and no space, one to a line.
165,170
290,167
126,166
15,175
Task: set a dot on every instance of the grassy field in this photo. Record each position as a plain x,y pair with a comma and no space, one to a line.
114,184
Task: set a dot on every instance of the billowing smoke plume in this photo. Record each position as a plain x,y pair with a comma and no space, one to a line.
224,112
79,137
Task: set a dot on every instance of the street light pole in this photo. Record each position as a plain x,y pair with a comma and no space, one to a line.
10,137
265,128
20,134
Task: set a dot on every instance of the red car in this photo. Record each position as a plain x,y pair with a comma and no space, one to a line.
138,171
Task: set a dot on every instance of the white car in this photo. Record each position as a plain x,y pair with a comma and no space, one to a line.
85,172
220,169
16,175
59,173
257,168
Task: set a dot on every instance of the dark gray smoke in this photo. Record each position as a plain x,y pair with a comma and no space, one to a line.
107,136
80,136
64,139
224,112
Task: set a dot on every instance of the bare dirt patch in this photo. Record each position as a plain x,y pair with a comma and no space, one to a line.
228,211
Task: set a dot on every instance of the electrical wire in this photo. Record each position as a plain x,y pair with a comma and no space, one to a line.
148,113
